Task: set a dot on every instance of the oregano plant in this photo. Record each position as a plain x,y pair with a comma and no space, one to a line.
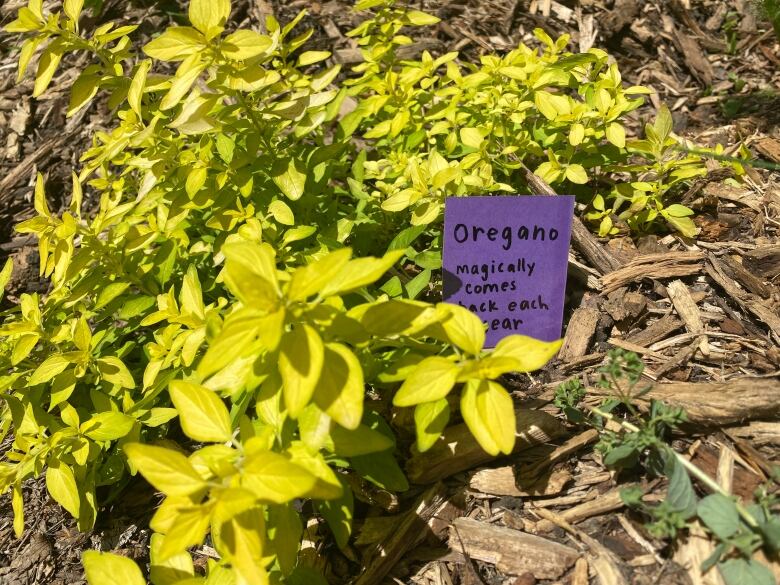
249,271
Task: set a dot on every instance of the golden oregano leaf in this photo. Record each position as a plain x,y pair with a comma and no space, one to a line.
202,414
488,412
250,273
274,478
431,380
300,362
340,389
209,16
110,569
61,485
531,354
167,470
430,420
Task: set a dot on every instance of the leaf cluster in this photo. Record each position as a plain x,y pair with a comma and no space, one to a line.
223,323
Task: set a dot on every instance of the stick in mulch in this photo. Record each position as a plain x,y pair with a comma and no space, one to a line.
385,554
584,241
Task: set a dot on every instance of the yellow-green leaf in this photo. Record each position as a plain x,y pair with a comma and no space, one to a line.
26,53
250,273
203,416
419,18
191,296
684,225
238,530
281,212
113,370
196,178
5,276
327,485
274,478
61,485
488,411
167,470
175,569
84,89
576,174
544,102
187,529
340,389
107,426
24,345
175,44
137,85
430,420
576,134
290,176
243,333
17,503
310,279
300,364
464,328
72,9
616,134
471,137
50,367
531,354
27,21
311,57
47,65
360,272
110,569
432,379
39,199
209,16
185,76
488,368
245,44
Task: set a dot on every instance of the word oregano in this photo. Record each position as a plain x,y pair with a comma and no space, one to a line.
263,227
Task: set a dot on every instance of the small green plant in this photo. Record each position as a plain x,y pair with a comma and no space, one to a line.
643,441
660,171
771,9
730,31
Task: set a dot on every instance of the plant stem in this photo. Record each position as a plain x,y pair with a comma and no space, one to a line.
690,467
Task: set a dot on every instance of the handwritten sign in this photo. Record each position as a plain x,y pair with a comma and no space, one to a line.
505,259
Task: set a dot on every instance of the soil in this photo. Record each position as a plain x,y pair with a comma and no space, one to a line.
716,63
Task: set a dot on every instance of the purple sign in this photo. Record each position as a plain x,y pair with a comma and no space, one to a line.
505,259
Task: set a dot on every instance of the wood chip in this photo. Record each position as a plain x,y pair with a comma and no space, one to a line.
601,505
511,551
580,574
715,404
715,269
734,268
694,57
656,331
692,550
763,261
759,432
579,333
688,311
769,147
604,563
504,481
379,560
669,265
